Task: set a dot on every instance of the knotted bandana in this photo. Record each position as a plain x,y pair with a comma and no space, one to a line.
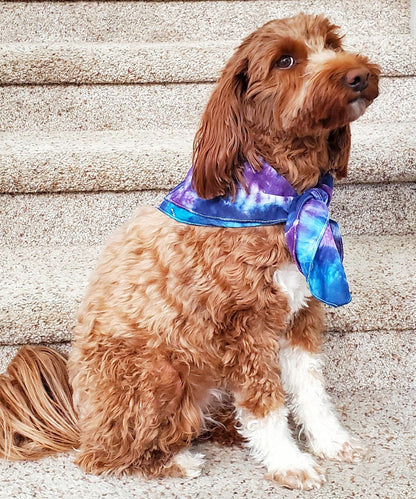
267,198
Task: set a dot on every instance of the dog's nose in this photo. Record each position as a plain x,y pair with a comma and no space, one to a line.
357,79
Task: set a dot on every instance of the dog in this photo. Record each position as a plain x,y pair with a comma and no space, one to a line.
180,318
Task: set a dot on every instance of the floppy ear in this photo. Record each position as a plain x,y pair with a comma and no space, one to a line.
223,142
339,144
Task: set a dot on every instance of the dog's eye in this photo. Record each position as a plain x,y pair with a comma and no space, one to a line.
285,62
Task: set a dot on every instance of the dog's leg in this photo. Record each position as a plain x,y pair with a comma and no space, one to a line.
137,413
262,418
302,380
271,443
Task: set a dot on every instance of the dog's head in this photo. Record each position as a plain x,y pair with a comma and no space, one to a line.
289,79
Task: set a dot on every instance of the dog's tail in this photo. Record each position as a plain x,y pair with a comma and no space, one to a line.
37,417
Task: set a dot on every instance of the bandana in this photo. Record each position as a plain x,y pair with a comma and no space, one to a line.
266,198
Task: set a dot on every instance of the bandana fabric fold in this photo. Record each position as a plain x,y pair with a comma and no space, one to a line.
267,198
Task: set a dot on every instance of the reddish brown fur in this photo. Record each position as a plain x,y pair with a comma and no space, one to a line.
256,110
174,311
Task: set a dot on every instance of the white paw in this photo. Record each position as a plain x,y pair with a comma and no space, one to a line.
340,448
304,475
190,464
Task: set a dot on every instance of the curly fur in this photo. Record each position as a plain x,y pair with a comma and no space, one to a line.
175,313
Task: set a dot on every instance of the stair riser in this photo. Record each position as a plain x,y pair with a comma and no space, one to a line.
88,218
53,282
134,107
117,161
174,21
355,361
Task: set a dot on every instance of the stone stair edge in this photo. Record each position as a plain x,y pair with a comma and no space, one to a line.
139,160
52,281
162,62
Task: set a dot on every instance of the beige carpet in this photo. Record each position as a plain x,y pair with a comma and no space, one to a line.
99,102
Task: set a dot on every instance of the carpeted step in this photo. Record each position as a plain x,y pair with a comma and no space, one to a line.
58,108
42,286
381,419
184,62
159,159
374,395
172,21
359,360
88,218
7,352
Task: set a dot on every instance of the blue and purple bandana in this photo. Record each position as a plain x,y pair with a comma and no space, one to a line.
267,198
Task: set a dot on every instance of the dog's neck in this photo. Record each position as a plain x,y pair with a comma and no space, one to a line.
301,160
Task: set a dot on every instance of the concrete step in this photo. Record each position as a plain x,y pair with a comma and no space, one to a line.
88,218
42,287
184,62
58,108
159,159
113,21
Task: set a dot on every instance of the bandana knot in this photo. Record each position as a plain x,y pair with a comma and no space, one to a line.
267,198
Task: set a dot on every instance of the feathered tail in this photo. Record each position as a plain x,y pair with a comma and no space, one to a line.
37,417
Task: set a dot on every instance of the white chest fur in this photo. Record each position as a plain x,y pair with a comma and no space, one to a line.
294,285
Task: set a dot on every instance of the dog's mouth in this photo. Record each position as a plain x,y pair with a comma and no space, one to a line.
357,107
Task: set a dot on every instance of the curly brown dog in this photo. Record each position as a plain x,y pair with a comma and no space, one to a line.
179,317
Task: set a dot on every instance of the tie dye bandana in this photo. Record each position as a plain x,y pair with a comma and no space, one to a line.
267,198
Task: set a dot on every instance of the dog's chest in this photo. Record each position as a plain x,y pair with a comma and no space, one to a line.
293,284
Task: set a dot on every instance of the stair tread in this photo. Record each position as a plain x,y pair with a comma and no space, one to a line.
163,62
178,20
88,217
50,108
42,286
84,161
371,415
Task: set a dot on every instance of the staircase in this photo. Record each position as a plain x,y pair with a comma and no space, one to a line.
99,102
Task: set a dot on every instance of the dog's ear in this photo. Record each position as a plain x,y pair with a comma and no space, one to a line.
339,144
223,143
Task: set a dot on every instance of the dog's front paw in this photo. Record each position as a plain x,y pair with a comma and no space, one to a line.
188,464
346,449
304,476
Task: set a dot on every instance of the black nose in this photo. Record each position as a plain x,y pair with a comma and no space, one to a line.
357,79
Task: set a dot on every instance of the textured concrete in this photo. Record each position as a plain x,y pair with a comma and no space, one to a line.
382,419
134,107
154,159
118,21
96,63
42,287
